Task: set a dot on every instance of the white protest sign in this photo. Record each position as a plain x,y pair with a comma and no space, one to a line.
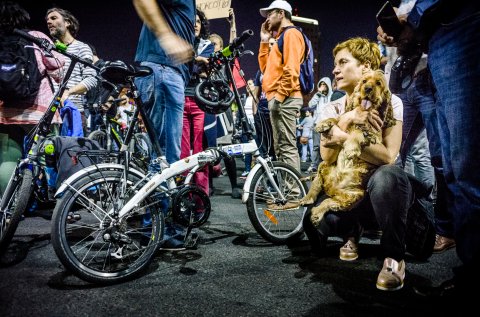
214,9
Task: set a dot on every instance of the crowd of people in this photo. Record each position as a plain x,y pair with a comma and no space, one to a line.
432,140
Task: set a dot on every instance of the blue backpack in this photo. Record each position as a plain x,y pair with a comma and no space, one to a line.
307,79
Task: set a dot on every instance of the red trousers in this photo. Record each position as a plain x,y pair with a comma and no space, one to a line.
193,138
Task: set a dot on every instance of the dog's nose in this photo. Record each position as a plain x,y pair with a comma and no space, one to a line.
368,89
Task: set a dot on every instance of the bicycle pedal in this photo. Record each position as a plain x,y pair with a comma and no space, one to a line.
73,217
191,241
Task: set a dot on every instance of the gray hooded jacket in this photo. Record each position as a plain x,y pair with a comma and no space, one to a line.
318,100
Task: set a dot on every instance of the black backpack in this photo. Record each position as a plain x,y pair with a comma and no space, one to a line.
19,75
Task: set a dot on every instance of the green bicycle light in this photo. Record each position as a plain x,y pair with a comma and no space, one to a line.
61,46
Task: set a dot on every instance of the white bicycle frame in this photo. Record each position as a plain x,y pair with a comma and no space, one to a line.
168,172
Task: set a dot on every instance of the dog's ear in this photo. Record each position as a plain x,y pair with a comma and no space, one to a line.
387,95
388,119
354,101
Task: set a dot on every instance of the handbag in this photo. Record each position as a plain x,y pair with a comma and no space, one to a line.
304,140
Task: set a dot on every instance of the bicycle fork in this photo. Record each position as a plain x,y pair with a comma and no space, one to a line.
261,163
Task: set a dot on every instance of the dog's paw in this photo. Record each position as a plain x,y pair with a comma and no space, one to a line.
306,201
351,151
325,125
316,216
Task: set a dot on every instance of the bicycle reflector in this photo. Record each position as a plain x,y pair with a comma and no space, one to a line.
213,96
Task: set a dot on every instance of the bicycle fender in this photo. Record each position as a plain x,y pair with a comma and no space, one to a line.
248,182
90,170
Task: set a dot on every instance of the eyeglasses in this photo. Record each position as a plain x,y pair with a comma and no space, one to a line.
271,12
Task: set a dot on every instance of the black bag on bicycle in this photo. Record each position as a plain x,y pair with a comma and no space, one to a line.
65,159
19,75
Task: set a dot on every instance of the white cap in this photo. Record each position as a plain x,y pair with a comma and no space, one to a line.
277,4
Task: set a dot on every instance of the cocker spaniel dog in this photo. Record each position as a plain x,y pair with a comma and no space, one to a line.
344,181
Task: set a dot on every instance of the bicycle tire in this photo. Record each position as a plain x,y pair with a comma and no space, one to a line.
281,226
96,245
99,136
17,194
191,206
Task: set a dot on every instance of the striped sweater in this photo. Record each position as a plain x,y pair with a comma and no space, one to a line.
81,73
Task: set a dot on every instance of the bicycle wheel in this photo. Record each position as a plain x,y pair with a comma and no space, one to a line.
92,241
100,137
16,198
191,206
277,225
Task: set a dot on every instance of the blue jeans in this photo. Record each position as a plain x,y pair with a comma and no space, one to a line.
418,103
306,148
453,62
420,110
163,95
316,158
418,162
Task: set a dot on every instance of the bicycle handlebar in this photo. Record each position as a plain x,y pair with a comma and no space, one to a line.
57,46
236,43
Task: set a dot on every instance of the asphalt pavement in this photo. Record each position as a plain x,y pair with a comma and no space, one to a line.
232,272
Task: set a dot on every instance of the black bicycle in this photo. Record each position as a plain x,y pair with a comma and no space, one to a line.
28,180
110,136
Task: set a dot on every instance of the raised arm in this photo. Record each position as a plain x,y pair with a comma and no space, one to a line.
233,26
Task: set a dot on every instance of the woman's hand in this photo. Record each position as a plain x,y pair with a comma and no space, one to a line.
361,116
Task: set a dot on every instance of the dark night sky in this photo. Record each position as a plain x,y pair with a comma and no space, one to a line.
113,26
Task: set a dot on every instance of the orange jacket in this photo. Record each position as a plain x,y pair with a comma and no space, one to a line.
280,80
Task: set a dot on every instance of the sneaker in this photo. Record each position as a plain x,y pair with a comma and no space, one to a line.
391,276
443,244
191,241
349,251
172,244
245,173
311,170
236,193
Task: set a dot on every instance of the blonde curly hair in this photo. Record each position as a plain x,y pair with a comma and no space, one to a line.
362,49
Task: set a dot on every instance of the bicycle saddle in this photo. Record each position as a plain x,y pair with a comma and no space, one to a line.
117,72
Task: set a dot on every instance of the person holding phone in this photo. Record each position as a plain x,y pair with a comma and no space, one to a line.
420,151
281,78
450,30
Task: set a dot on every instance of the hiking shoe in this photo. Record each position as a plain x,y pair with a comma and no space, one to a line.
391,276
349,251
443,244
